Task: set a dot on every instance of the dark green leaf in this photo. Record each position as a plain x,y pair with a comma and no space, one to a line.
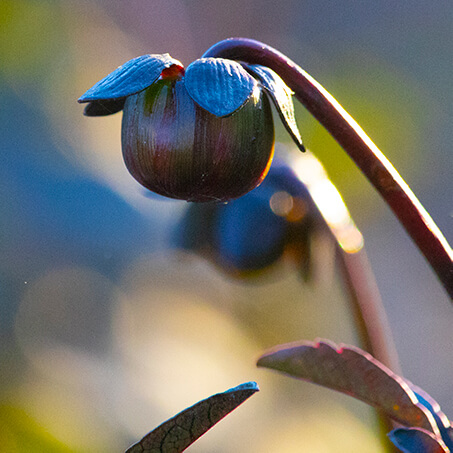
176,434
219,86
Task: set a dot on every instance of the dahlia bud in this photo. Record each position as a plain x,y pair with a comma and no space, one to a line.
204,134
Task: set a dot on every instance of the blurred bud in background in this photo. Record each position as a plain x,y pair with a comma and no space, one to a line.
295,214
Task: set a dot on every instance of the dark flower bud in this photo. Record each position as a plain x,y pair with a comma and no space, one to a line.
204,134
174,147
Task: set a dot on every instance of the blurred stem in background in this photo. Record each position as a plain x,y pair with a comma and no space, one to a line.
363,294
367,307
365,299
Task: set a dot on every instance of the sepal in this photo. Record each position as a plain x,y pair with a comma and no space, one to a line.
103,108
219,86
130,78
281,96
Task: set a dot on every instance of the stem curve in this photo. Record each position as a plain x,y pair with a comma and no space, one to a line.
351,137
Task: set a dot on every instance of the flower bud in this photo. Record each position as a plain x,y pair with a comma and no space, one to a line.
201,134
175,148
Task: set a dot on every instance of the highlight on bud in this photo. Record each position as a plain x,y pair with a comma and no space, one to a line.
205,133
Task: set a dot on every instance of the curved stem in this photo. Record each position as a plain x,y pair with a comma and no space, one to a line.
376,167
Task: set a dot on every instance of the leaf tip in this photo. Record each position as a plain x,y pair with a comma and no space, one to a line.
252,385
301,146
416,440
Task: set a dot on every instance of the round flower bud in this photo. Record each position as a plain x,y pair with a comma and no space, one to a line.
175,148
204,133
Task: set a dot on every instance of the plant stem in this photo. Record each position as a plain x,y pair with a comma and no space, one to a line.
364,298
376,167
371,319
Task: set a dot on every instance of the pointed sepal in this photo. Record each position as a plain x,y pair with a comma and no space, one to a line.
103,108
281,96
219,86
130,78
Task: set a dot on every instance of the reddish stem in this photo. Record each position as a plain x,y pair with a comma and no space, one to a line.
376,167
368,309
371,321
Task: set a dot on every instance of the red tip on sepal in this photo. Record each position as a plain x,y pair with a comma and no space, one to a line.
175,71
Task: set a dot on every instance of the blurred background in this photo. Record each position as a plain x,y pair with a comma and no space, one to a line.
106,329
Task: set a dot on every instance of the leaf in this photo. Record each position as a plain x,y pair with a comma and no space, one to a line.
442,421
281,96
416,440
177,433
350,370
219,86
130,78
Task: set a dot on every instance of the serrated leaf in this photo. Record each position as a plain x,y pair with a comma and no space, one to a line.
281,96
219,86
416,440
350,370
130,78
177,433
442,421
